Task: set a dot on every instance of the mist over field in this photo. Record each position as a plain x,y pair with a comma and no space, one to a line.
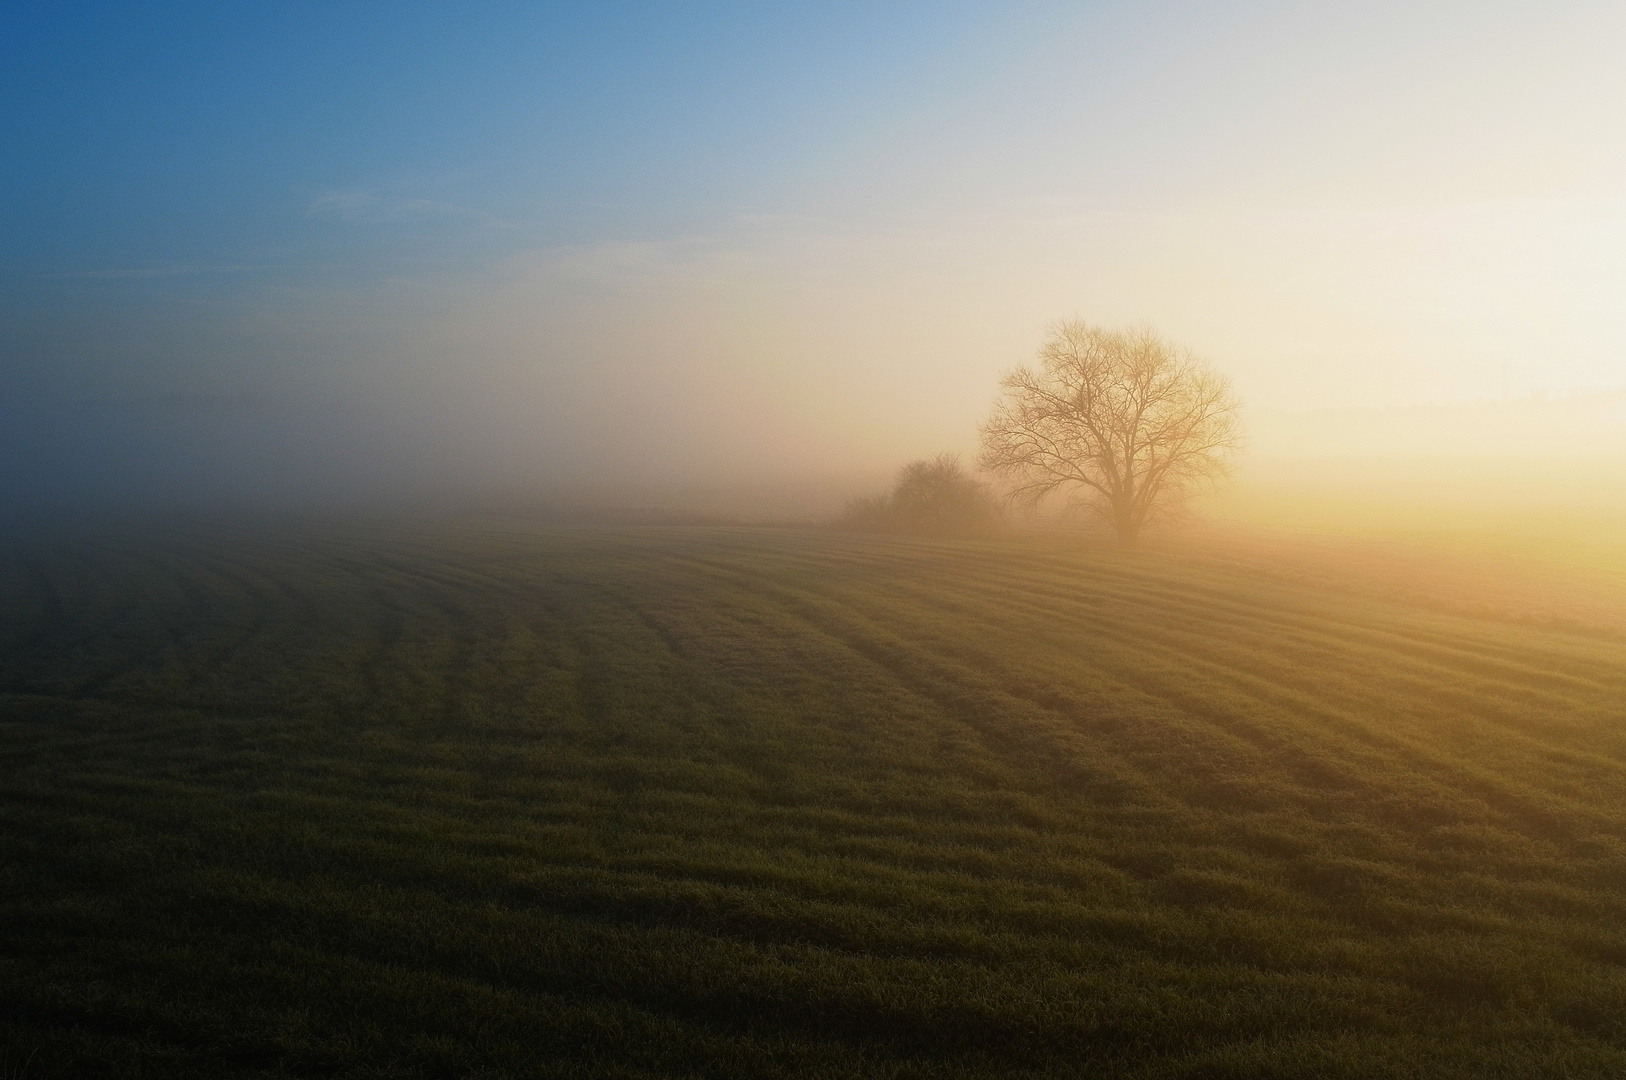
913,541
414,276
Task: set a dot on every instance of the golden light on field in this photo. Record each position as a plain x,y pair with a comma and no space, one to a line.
878,540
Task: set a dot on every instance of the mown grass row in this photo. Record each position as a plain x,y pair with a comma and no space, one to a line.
711,802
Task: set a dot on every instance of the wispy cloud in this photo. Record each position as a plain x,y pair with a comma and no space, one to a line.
135,273
359,204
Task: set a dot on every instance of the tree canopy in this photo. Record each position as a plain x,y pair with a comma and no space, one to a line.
1120,420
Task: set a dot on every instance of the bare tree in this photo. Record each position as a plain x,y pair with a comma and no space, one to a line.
1120,420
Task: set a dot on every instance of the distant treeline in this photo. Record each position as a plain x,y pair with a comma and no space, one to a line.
933,497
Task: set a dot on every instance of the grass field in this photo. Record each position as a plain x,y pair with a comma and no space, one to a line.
480,801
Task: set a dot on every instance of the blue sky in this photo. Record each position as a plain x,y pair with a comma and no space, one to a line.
191,134
281,246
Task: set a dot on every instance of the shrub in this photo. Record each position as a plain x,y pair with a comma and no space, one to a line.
932,497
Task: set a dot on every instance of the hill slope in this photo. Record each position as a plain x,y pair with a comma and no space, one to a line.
732,802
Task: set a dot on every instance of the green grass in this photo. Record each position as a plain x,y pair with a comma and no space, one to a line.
458,801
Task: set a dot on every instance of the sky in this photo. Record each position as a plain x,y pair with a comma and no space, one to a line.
358,251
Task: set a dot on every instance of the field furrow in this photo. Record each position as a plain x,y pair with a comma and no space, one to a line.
460,799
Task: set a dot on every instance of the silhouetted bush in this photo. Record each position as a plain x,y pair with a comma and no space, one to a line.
932,497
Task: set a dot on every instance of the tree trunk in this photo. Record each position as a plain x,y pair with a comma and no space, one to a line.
1123,520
